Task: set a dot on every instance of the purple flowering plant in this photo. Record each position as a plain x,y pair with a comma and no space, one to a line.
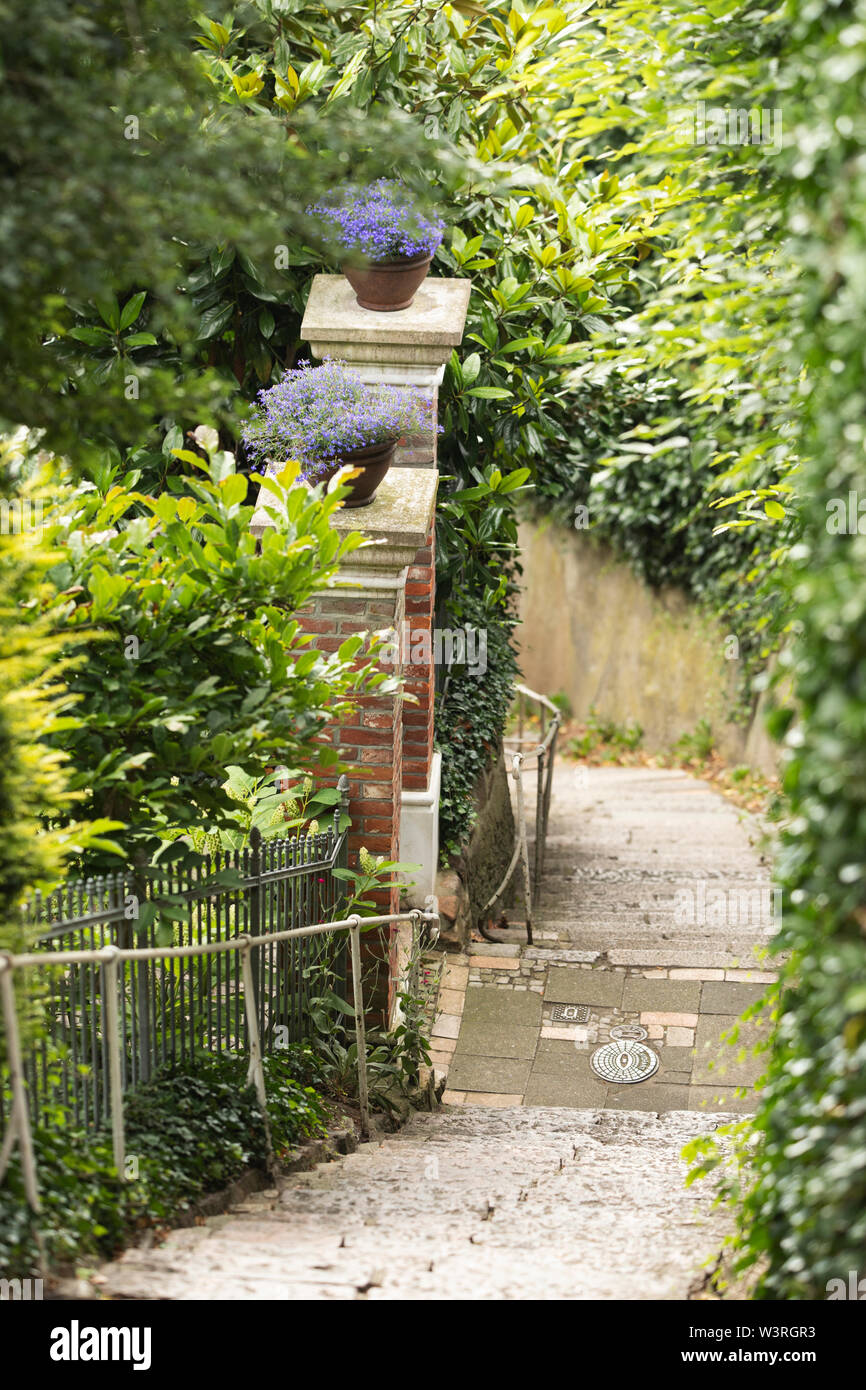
317,415
379,222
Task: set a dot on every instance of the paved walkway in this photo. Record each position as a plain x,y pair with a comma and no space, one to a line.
654,901
539,1179
471,1203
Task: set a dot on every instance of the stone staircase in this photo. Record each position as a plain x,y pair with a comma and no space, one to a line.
468,1203
561,1186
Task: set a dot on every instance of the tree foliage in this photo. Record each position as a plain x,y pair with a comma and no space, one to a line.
36,792
805,1204
132,157
195,656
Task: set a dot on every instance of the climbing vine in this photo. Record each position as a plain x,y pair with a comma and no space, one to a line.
801,1185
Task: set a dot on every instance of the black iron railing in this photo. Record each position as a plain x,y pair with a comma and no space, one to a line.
174,1009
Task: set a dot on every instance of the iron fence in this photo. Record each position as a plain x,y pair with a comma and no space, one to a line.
112,961
177,997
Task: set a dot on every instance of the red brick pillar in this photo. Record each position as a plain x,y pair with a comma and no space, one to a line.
385,745
370,741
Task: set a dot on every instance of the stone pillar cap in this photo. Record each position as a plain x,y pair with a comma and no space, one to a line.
397,522
335,325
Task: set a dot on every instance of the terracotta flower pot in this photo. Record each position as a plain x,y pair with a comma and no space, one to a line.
387,285
374,462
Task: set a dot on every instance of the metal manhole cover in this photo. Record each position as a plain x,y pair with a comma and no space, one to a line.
570,1013
625,1059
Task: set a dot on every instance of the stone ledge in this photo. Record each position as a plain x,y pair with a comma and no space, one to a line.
397,524
336,325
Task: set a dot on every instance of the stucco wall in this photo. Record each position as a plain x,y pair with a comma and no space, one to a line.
591,628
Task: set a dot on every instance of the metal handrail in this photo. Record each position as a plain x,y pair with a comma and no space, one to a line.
542,752
110,957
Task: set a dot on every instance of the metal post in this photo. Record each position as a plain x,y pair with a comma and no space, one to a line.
360,1035
256,1070
341,972
141,994
548,787
414,972
523,847
539,817
255,918
115,1077
19,1120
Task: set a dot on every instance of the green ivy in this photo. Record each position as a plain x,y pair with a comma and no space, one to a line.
188,1132
804,1214
470,717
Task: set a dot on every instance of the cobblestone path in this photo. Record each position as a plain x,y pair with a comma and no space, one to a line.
471,1203
537,1179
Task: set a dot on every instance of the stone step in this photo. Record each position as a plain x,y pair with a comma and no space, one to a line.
491,1204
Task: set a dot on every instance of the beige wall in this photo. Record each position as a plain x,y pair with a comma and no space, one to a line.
594,630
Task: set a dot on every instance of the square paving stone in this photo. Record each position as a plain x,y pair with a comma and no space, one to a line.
502,1007
594,987
503,1075
728,1069
661,996
557,1058
675,1061
483,1039
648,1095
446,1026
578,1092
729,997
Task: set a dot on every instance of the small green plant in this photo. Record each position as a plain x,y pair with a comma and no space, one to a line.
411,1036
375,874
606,735
264,806
394,1057
698,745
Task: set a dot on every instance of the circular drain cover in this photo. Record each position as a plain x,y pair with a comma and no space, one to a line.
625,1058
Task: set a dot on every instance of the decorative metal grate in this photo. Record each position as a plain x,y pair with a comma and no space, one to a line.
626,1058
570,1013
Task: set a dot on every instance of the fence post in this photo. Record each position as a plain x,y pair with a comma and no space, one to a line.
523,845
19,1120
343,789
115,1078
360,1034
256,1070
342,894
255,921
141,993
539,816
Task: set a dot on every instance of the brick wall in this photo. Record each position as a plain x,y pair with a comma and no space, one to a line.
370,742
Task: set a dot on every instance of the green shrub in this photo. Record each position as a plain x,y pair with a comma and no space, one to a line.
196,658
801,1184
804,1213
188,1132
